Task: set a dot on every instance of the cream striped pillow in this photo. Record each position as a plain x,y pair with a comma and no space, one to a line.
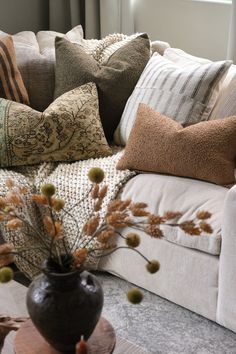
186,94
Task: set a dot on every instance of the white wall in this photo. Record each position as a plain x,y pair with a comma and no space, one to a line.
198,27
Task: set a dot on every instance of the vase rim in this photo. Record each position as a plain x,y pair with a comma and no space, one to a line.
51,269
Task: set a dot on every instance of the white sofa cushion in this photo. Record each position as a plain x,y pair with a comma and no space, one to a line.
167,193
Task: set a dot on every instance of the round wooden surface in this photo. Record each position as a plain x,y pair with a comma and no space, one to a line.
29,341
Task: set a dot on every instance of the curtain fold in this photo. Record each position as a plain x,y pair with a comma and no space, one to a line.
98,17
231,53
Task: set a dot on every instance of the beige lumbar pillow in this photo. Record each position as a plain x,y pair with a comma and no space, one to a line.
69,129
205,151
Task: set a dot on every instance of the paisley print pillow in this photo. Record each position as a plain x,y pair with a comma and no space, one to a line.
69,129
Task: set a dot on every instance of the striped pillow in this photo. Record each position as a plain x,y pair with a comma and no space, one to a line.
11,83
185,94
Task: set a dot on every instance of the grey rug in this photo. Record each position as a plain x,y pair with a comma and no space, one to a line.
161,327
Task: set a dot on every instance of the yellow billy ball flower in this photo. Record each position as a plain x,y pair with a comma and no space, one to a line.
153,266
135,296
132,240
6,274
48,190
58,204
96,175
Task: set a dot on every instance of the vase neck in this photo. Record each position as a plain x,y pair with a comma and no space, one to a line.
62,281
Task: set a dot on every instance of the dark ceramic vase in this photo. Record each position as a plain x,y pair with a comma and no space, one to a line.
65,306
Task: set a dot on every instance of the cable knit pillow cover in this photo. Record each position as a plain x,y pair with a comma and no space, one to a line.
69,129
11,83
205,150
115,80
186,94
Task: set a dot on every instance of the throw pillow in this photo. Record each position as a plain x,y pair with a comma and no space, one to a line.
203,151
180,57
223,90
227,105
11,83
115,80
69,129
186,94
35,55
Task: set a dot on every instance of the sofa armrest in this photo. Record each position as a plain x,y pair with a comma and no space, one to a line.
226,306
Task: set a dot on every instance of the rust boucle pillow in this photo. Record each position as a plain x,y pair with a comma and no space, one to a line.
205,151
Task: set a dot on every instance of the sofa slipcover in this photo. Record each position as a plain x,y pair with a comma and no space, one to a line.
168,193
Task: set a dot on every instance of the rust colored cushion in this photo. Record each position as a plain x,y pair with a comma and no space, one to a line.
205,151
11,83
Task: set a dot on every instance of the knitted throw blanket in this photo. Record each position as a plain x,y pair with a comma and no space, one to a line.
72,185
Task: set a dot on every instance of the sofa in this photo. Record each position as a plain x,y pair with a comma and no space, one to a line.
196,272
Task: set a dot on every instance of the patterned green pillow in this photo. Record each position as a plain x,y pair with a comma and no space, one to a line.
69,129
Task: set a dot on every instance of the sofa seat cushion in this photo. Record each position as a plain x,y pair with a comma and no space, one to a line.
188,196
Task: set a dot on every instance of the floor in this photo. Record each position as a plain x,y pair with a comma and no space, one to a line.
159,326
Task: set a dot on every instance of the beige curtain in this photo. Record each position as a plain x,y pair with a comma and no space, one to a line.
232,34
98,17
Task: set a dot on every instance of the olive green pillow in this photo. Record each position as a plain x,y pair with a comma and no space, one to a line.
115,80
69,129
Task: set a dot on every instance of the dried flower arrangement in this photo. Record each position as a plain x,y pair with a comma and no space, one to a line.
120,213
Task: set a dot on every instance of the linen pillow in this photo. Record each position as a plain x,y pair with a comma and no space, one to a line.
69,129
223,90
227,106
205,150
115,80
185,94
35,56
11,83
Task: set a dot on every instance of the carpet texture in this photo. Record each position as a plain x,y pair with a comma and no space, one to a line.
161,327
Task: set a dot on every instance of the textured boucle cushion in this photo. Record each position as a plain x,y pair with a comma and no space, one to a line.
205,151
115,80
11,84
187,94
69,129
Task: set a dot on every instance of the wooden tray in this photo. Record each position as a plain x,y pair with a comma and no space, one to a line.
29,341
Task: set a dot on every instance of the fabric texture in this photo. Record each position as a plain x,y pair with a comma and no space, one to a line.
186,195
186,94
226,311
115,80
225,103
71,182
205,151
187,277
11,84
69,129
35,56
